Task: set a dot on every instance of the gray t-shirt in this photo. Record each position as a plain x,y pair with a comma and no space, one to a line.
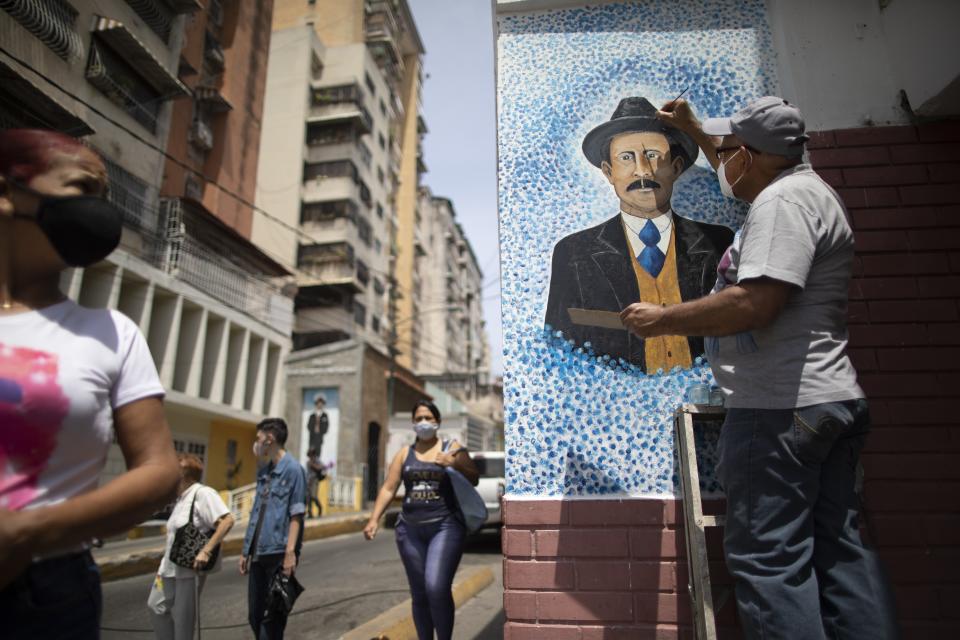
797,232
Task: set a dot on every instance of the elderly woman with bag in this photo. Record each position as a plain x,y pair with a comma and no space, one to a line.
197,525
434,522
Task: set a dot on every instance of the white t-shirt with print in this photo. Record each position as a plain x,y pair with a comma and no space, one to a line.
64,369
208,508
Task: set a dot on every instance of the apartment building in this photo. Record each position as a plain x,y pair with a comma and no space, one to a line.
361,163
131,77
326,173
452,348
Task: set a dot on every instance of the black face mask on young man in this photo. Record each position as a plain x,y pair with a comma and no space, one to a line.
82,229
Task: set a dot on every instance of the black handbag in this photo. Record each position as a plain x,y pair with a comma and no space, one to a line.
189,541
283,593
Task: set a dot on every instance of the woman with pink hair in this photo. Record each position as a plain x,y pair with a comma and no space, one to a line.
71,379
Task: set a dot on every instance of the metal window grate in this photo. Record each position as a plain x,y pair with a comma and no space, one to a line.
132,195
156,16
51,21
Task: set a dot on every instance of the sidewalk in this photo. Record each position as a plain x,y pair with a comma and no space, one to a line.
125,558
482,617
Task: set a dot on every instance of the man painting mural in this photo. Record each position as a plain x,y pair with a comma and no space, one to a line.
644,253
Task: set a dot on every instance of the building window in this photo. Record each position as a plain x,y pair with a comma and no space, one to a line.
323,211
375,324
382,141
359,313
363,272
198,449
117,80
130,194
383,107
364,193
377,246
369,82
330,134
316,67
379,210
337,95
51,21
378,287
156,15
380,175
329,252
335,169
364,153
213,57
364,231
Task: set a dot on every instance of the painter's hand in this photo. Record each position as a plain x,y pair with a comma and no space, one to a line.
244,565
643,318
677,113
370,531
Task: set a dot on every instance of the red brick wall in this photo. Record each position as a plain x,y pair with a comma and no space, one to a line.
902,186
610,569
599,569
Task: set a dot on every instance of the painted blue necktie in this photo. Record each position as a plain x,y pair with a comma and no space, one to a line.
651,258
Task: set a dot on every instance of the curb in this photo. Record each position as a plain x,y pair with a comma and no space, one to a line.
148,561
397,623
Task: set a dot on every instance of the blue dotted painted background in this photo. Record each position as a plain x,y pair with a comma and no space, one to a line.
577,424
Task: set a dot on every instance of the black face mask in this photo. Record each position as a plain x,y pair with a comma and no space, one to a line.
82,229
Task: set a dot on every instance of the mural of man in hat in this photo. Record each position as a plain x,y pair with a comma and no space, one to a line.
646,252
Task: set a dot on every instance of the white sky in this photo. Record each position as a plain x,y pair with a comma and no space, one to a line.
460,148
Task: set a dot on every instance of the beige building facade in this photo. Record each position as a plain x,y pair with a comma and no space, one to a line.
214,316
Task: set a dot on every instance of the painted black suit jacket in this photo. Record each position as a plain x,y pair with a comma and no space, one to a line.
593,269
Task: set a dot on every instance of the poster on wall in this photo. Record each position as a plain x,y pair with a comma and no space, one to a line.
320,425
602,205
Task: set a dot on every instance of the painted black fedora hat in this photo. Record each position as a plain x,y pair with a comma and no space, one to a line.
636,114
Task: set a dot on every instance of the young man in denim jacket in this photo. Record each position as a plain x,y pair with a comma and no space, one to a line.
275,532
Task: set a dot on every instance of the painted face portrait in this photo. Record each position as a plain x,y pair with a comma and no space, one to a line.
642,171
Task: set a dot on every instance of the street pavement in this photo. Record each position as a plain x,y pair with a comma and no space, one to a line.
348,581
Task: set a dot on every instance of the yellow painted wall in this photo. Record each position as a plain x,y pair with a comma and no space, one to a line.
406,203
244,433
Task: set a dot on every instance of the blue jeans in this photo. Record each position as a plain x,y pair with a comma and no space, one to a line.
262,570
55,599
792,543
431,554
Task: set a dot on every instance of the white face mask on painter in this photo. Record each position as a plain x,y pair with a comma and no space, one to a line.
725,187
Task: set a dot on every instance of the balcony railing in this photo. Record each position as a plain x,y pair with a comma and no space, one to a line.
212,273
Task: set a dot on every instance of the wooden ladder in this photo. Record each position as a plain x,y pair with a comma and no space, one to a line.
695,523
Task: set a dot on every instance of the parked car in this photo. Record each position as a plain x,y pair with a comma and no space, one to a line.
492,483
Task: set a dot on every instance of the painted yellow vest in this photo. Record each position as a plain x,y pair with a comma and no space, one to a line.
664,352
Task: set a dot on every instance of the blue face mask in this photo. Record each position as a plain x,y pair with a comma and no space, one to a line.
425,430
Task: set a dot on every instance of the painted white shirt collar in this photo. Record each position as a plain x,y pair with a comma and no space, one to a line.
635,225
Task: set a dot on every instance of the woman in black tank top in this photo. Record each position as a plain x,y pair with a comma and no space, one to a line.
430,532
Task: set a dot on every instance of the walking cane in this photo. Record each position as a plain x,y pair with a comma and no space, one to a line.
196,601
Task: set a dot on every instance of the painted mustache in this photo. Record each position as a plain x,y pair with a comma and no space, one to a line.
643,184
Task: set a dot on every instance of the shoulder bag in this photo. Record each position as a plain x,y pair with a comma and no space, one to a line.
472,508
189,540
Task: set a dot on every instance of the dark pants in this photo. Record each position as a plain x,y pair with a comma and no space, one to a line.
792,542
258,587
431,554
56,599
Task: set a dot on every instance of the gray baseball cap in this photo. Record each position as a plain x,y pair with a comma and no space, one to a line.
767,124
